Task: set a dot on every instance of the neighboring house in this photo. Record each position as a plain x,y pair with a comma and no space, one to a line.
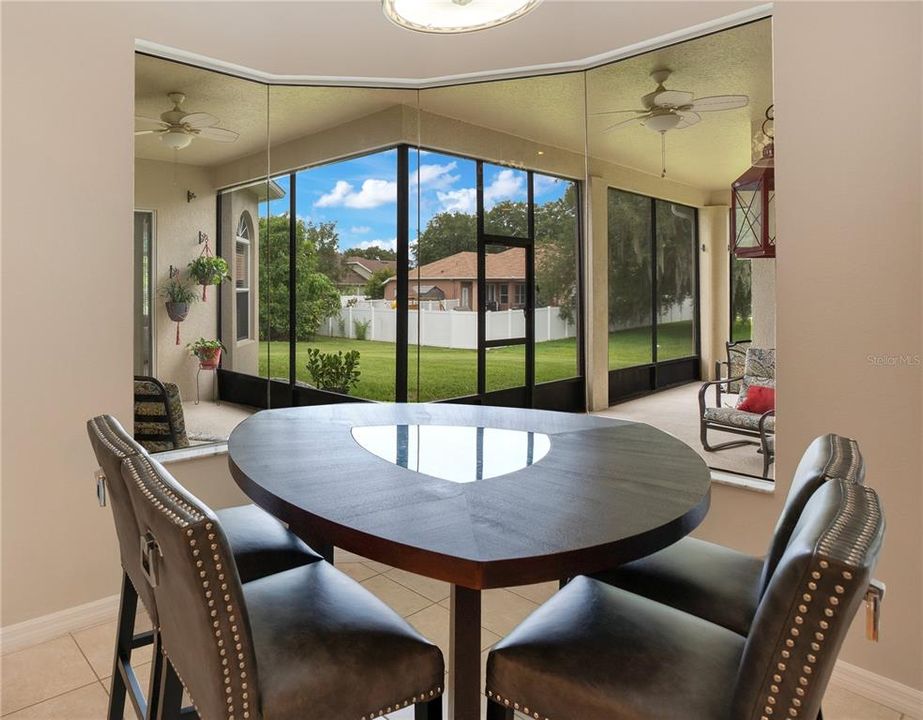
456,276
358,270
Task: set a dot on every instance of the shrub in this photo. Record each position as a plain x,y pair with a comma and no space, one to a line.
337,372
361,328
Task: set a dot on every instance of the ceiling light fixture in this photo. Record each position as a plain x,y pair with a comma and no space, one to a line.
454,16
176,138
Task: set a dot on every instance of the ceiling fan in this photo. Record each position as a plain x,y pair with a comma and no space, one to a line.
177,128
666,110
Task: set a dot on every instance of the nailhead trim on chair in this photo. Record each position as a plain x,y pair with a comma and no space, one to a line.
200,534
111,439
524,709
422,697
834,468
845,542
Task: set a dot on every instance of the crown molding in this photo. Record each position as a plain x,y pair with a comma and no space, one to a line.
208,63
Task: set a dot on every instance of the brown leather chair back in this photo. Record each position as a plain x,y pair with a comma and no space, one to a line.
204,626
827,457
803,617
112,445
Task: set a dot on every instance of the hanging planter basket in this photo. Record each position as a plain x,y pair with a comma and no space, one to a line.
208,270
177,311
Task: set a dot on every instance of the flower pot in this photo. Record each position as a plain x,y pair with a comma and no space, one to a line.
209,359
177,311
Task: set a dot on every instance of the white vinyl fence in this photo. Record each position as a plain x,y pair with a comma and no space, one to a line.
435,326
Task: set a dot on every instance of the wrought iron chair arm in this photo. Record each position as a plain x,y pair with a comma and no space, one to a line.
716,383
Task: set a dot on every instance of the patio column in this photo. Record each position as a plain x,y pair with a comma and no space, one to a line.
596,274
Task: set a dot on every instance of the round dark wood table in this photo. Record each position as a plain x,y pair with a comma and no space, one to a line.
480,497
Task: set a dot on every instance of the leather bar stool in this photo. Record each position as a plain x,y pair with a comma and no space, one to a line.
305,643
259,543
597,652
722,585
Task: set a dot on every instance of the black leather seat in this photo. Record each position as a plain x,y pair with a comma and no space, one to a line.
596,652
314,629
307,642
723,585
259,544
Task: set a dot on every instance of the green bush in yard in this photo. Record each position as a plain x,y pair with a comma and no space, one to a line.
337,372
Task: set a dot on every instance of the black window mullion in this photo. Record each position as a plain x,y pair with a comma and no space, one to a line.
292,284
482,283
530,293
655,286
401,336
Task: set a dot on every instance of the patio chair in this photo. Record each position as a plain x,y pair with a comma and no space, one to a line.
159,421
730,370
598,652
759,369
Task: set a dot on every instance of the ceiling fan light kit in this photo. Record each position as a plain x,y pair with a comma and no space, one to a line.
178,128
665,110
454,16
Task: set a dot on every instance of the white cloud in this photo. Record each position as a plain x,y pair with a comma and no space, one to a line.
463,200
383,244
373,193
436,177
360,229
507,185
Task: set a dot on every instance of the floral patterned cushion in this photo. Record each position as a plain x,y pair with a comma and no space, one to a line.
733,417
145,407
759,369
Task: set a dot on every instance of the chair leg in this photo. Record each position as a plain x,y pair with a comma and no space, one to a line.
128,608
496,711
171,693
431,710
158,660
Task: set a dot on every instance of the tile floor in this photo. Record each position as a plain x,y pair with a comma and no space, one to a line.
68,678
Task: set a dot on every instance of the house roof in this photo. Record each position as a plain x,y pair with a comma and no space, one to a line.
507,265
358,270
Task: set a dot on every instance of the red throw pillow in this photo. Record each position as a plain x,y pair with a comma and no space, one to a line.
759,399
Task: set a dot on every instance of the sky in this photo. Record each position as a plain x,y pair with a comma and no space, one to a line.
360,194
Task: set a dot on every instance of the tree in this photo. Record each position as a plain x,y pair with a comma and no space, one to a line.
556,254
375,287
446,233
316,296
371,253
326,241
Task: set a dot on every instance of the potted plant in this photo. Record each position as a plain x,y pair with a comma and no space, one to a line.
178,295
207,351
208,270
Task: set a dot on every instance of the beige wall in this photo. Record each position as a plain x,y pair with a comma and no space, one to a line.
848,281
161,187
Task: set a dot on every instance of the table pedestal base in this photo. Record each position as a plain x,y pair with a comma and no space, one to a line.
465,654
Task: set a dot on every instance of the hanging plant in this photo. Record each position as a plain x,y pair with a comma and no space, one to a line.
179,295
208,352
208,270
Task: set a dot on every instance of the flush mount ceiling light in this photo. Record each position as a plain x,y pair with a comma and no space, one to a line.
454,16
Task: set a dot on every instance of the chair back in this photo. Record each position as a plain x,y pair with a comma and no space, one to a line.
159,421
112,445
804,616
736,359
827,457
759,369
203,620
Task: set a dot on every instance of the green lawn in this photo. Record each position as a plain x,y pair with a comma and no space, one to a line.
447,373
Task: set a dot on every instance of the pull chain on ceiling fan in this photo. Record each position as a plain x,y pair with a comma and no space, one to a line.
666,110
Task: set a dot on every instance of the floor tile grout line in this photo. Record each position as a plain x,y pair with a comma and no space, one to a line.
404,585
80,649
51,697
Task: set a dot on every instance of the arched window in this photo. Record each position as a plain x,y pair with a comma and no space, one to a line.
242,270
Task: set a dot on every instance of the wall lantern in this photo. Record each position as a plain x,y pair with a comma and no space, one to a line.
753,202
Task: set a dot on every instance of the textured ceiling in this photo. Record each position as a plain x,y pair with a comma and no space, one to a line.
546,109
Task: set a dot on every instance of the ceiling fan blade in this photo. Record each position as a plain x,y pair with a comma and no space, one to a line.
149,120
217,134
149,132
671,98
715,103
199,120
624,123
689,119
615,112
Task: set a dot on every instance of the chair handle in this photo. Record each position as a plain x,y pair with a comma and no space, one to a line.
100,486
873,598
150,552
